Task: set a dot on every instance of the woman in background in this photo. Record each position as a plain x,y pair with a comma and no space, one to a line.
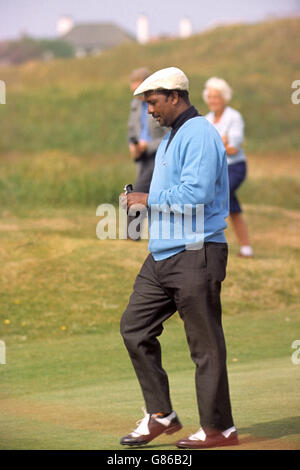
230,125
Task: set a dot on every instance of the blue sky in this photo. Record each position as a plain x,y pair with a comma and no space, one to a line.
38,17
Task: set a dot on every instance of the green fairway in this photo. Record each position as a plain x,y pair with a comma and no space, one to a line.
80,393
68,382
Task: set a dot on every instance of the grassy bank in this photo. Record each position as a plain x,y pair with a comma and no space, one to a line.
80,106
58,179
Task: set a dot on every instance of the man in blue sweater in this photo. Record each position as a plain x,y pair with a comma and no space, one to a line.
187,205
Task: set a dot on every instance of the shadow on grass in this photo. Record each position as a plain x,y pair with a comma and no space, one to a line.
148,446
258,432
274,429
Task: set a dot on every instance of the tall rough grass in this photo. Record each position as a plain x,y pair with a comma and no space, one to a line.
63,127
81,105
58,179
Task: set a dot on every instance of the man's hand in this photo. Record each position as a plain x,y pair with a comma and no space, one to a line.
139,200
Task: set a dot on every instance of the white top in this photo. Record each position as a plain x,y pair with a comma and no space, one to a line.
231,124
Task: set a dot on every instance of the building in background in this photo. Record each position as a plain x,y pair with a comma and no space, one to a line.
91,38
185,28
81,39
142,29
64,25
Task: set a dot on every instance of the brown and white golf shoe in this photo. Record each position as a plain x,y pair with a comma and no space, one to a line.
200,440
150,427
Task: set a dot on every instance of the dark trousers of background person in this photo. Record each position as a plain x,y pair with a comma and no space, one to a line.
142,185
237,174
189,282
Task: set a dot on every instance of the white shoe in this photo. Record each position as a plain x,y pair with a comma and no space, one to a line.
150,427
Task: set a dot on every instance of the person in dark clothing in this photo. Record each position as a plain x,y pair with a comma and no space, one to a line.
144,137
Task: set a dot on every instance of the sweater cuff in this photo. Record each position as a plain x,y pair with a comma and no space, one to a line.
153,198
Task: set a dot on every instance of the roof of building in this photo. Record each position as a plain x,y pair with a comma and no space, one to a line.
97,35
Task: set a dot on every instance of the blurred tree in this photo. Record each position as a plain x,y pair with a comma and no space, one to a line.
27,48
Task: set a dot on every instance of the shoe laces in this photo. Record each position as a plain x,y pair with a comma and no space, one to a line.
142,425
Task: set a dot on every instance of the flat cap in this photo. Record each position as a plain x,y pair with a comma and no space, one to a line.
170,78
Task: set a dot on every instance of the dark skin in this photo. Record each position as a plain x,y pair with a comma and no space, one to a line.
165,110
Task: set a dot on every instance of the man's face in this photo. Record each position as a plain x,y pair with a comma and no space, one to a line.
162,108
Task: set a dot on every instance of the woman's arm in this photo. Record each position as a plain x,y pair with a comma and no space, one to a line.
233,139
230,150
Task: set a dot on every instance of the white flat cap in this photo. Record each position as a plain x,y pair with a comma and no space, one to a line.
170,78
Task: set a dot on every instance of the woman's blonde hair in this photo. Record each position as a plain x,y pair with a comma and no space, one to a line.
219,84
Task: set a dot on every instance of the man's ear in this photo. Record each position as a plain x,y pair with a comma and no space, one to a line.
174,97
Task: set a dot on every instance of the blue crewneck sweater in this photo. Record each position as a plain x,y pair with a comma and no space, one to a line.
190,180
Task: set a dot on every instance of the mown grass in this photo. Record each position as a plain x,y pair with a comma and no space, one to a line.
81,393
68,382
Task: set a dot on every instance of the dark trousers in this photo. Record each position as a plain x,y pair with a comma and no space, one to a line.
236,174
190,283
